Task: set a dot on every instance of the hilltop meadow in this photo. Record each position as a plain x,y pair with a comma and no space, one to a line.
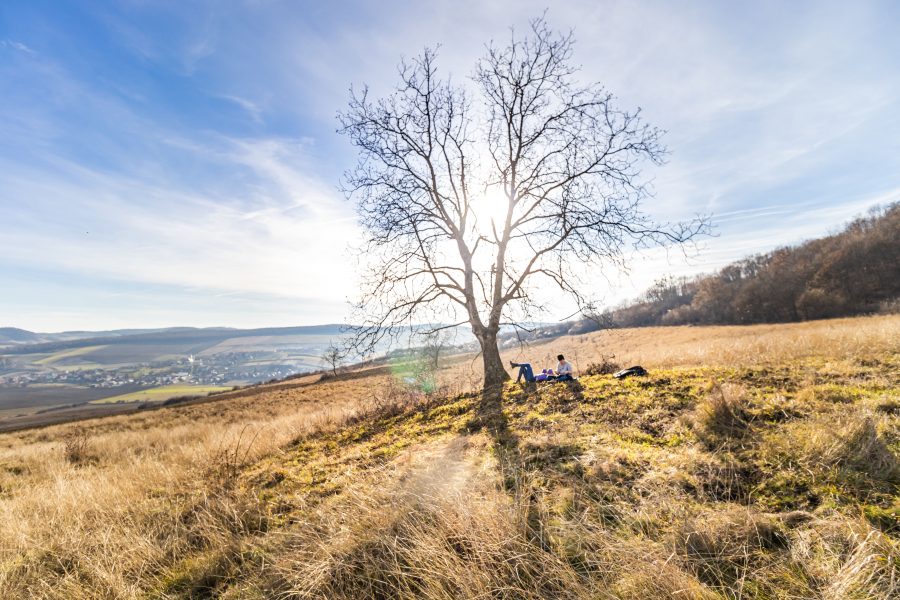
758,461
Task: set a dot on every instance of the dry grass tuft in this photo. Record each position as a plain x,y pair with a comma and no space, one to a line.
660,580
851,442
871,571
723,546
829,393
849,559
722,415
795,518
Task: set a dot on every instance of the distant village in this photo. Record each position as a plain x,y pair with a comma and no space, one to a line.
220,369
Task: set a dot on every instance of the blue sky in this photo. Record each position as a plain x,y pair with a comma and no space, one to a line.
176,163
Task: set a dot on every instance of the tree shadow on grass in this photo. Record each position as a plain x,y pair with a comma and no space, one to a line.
490,418
575,396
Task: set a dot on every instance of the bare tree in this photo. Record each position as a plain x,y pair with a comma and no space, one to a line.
435,346
333,357
468,205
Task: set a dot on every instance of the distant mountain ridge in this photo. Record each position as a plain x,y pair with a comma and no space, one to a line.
16,335
18,341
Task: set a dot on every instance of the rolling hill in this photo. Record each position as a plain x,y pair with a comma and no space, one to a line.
175,336
13,335
53,371
851,272
759,461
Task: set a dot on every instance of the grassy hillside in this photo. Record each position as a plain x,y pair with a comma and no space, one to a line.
757,462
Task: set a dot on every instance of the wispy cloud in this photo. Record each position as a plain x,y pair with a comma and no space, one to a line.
16,46
280,242
253,109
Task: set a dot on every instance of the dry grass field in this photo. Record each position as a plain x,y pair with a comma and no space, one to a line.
753,462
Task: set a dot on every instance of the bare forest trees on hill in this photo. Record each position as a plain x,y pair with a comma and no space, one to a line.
856,271
475,193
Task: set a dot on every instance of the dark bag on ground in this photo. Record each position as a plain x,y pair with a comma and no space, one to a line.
636,370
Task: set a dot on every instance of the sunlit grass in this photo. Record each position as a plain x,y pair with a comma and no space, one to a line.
163,392
753,463
64,354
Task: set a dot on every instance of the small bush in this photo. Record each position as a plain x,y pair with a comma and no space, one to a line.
77,449
393,398
606,366
179,400
226,463
889,307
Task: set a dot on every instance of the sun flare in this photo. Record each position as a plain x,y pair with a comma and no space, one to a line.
490,210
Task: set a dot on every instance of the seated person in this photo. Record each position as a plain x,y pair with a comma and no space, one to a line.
563,372
563,369
544,375
524,371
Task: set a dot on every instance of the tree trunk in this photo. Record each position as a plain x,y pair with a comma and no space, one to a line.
494,372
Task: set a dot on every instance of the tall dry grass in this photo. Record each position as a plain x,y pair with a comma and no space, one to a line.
155,503
728,346
105,505
436,525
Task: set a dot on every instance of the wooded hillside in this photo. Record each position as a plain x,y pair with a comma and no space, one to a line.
856,271
853,272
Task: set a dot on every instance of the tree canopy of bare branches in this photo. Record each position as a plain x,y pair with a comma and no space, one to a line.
472,194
